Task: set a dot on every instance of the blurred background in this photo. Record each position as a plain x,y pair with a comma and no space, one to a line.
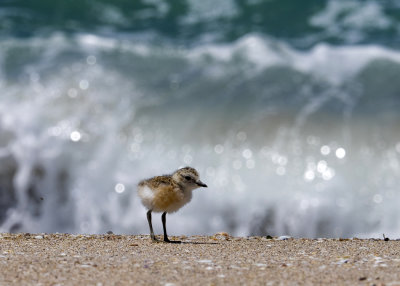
290,110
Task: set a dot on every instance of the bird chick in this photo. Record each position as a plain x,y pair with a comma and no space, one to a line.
167,194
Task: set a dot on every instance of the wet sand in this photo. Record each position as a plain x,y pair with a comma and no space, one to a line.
64,259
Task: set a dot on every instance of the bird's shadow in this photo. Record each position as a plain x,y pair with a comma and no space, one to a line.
185,242
197,242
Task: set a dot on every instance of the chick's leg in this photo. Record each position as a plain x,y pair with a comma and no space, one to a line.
153,237
163,219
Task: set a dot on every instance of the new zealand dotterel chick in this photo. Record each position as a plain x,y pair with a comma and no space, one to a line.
167,194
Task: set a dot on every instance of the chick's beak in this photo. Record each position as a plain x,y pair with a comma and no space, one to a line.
201,184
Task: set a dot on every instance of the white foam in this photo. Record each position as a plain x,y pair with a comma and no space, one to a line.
267,181
339,15
206,10
334,64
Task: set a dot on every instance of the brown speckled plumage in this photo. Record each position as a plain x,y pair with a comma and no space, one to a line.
168,193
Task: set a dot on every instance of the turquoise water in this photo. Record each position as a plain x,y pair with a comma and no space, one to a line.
188,22
290,112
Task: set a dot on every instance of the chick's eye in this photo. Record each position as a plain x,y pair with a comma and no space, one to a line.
188,178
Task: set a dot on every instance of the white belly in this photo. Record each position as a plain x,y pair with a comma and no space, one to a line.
177,205
148,198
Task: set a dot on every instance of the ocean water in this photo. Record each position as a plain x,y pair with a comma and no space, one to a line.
289,111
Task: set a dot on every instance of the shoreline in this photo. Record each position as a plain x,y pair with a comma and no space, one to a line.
67,259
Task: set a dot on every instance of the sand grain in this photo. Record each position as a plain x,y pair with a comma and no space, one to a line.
64,259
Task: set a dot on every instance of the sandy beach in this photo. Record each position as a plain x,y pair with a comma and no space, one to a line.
65,259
